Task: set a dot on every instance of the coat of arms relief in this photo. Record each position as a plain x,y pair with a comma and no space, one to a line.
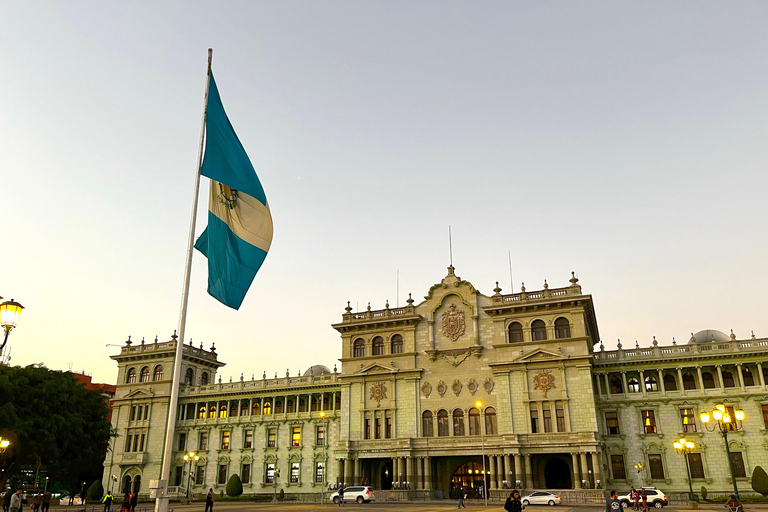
544,380
378,392
453,323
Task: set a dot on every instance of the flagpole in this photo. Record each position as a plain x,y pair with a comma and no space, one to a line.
161,502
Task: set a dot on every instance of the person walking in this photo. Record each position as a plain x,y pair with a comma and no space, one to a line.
126,506
47,501
134,501
107,502
644,497
209,499
16,501
37,502
613,504
7,500
341,496
513,503
462,496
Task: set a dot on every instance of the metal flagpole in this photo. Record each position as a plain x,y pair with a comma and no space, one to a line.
161,501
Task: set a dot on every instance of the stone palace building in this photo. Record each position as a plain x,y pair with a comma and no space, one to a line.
428,392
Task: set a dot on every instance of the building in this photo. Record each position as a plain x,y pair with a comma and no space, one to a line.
106,390
462,388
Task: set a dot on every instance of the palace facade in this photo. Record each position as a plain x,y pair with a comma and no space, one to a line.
499,391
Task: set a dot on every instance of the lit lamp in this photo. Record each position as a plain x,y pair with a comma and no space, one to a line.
684,447
192,457
640,467
724,422
479,405
10,312
4,444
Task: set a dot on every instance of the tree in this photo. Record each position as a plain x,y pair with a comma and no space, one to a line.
234,486
760,481
95,491
52,420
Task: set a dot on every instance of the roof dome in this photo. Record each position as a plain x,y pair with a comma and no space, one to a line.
317,369
709,335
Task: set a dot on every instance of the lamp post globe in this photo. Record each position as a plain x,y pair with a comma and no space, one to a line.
479,405
724,422
10,311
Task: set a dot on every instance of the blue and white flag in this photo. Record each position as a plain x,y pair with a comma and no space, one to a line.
239,230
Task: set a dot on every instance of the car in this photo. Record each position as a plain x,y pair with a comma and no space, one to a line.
655,497
358,493
541,498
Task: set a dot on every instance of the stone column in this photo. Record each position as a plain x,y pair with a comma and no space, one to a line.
720,378
701,379
507,470
518,471
760,374
418,474
624,380
661,383
741,378
407,477
642,383
492,472
358,472
427,474
576,479
348,472
597,463
340,471
584,473
607,385
680,385
528,472
499,471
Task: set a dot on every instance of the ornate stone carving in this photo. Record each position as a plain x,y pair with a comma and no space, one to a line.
472,386
488,385
544,380
378,392
426,388
453,323
456,387
442,388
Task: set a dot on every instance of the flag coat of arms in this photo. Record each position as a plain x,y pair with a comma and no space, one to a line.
239,231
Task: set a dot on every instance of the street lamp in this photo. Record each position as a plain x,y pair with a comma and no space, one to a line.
724,422
4,444
684,447
112,481
640,467
9,318
46,485
275,474
192,458
479,405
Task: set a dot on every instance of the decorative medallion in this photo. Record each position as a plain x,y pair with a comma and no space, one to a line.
488,385
442,388
544,380
472,386
227,196
426,388
379,392
453,323
456,387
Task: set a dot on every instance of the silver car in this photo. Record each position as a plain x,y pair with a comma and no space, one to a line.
541,498
358,493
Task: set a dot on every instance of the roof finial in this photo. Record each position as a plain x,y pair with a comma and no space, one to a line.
128,341
673,341
348,309
174,335
753,335
546,286
155,338
386,305
142,340
733,336
369,306
522,287
573,280
637,344
618,344
497,290
655,343
410,300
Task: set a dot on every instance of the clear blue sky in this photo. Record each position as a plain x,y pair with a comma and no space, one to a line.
622,140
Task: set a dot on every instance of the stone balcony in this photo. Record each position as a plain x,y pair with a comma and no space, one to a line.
694,350
264,384
131,458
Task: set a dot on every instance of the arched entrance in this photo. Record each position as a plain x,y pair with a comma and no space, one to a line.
557,474
137,484
127,484
385,473
469,475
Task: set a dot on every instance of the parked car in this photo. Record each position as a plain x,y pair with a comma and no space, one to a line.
655,497
541,498
358,493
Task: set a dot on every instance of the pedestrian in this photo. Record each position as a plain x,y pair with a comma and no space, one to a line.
462,496
47,501
16,501
209,499
733,504
134,500
341,496
644,496
513,503
37,502
635,497
613,504
126,503
107,502
7,500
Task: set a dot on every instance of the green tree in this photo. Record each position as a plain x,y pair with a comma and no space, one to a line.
95,491
760,481
234,486
52,420
703,492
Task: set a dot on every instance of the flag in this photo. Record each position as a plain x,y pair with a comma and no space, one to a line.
239,230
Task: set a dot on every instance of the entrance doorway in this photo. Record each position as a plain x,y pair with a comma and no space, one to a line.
471,477
557,474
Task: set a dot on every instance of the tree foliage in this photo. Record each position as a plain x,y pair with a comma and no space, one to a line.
95,491
760,481
703,492
234,486
51,419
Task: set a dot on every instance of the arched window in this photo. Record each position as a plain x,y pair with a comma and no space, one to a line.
201,413
377,346
212,412
538,330
358,348
267,408
158,373
427,424
515,332
137,484
458,422
130,378
651,384
670,382
289,406
314,404
707,380
748,377
397,344
442,423
689,382
490,421
728,379
223,411
144,376
474,422
562,328
127,484
189,377
616,387
256,409
633,385
204,379
278,406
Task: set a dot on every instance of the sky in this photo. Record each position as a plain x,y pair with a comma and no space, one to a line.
624,141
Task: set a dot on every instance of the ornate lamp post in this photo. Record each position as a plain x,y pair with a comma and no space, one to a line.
275,475
4,444
479,405
684,447
9,318
724,422
640,467
112,482
192,458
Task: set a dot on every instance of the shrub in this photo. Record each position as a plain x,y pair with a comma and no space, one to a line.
703,492
95,491
760,481
234,486
281,495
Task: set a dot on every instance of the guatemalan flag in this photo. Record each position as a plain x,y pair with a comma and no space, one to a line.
239,230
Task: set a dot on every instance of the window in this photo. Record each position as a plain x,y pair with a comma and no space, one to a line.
612,423
130,377
278,406
223,411
534,419
204,379
296,436
649,421
656,466
442,423
616,387
319,472
427,425
377,346
397,344
248,438
314,404
688,419
189,377
490,421
144,376
244,408
158,374
748,377
141,443
562,328
367,428
651,384
617,467
201,413
458,422
474,422
696,465
212,412
728,379
246,472
689,381
560,416
388,427
182,442
199,475
670,383
633,385
202,441
294,472
358,349
146,411
133,413
267,409
269,474
708,380
128,440
289,407
271,437
538,330
737,463
515,332
377,428
320,436
256,409
222,478
225,435
547,416
764,408
178,478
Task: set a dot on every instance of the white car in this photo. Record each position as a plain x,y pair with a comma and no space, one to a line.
358,493
655,497
541,498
